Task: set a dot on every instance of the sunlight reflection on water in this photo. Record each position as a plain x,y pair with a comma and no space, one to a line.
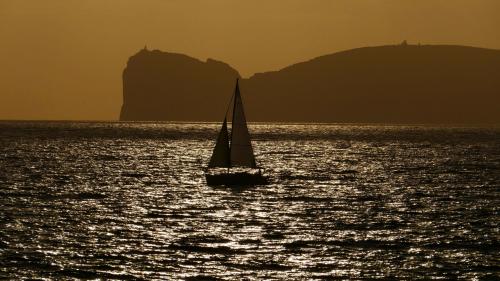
129,201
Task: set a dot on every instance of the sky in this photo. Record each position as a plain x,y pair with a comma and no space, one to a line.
63,59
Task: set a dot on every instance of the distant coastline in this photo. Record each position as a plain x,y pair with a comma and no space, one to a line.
394,84
256,123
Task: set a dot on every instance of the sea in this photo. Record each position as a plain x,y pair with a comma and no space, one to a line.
129,201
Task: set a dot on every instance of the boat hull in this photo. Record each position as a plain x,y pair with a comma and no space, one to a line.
236,179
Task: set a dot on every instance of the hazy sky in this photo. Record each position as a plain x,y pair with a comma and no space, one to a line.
63,59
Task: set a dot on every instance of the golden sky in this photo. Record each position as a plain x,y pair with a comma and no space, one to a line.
63,59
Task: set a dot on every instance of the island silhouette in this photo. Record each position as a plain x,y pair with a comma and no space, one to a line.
385,84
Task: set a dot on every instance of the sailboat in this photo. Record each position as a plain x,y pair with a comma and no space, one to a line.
233,161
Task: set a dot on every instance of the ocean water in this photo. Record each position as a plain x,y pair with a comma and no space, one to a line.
90,200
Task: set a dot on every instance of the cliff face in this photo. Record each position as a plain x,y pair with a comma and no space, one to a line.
168,86
388,84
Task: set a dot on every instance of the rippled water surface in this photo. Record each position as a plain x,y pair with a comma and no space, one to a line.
129,201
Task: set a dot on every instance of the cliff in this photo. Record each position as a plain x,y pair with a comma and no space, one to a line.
386,84
168,86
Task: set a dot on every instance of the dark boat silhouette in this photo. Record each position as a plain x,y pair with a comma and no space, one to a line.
233,162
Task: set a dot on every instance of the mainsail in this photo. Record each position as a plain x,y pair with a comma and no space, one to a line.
220,156
241,152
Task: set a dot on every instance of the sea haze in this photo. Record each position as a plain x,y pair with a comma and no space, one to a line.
129,201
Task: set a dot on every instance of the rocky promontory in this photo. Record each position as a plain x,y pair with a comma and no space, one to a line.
168,86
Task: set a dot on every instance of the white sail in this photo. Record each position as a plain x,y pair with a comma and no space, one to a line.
241,152
220,155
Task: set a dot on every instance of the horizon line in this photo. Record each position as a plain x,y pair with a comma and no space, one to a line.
254,123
